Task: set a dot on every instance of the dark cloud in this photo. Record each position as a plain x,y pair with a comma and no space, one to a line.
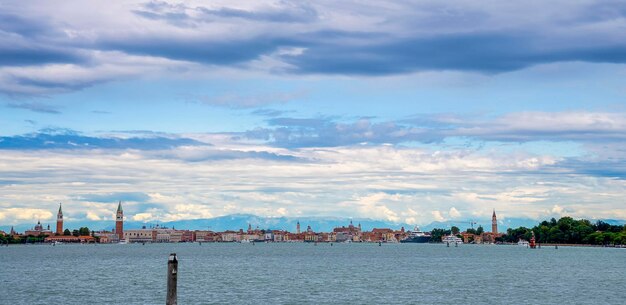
391,41
32,54
26,41
479,52
67,139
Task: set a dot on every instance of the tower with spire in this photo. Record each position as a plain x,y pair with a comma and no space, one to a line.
298,227
119,221
494,223
60,221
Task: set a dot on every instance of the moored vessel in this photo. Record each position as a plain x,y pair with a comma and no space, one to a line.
417,236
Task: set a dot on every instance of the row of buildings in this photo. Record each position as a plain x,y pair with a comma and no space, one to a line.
160,234
351,233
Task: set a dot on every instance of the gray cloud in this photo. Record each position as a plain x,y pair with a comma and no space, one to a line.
513,127
358,39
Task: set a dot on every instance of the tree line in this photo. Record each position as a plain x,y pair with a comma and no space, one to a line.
567,230
10,239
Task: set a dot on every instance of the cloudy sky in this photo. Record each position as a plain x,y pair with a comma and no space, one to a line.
407,111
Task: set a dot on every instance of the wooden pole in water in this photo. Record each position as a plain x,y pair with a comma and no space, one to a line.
172,278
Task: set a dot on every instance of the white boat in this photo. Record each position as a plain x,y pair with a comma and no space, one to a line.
122,242
522,243
451,239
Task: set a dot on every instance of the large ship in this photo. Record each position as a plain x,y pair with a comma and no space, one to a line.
417,236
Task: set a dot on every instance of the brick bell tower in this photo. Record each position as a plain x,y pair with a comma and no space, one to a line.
60,221
494,223
119,222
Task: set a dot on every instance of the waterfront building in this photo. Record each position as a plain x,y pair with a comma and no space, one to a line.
350,232
119,221
70,239
294,237
140,235
278,236
107,237
206,236
181,236
60,221
230,236
381,235
468,237
38,230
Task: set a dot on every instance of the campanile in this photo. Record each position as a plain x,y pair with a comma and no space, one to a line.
60,221
494,223
119,222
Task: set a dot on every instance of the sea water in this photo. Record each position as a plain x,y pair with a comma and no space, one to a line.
305,273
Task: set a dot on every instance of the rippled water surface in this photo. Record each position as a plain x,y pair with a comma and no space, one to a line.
312,274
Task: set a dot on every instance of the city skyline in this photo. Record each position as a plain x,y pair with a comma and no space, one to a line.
403,112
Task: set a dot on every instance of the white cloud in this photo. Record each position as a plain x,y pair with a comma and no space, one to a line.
93,216
454,213
438,216
413,185
145,217
30,214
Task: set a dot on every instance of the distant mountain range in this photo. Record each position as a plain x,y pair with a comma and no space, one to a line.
318,224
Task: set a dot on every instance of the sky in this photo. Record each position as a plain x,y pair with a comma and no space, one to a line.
404,111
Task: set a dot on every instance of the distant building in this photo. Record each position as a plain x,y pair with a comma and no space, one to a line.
106,237
494,223
181,236
140,235
70,239
207,236
119,221
230,236
60,221
38,230
350,233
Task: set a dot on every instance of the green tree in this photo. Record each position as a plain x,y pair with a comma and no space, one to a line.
67,232
479,230
83,231
75,233
438,234
455,230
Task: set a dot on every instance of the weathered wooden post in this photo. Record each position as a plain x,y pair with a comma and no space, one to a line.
172,278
